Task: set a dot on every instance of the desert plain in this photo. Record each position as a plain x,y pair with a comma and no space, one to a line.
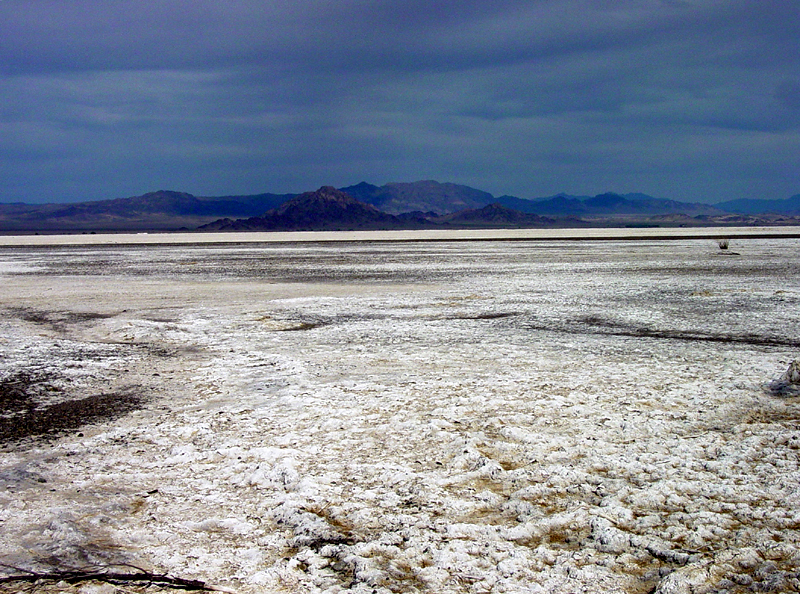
402,416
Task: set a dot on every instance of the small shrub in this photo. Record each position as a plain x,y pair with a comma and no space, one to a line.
723,243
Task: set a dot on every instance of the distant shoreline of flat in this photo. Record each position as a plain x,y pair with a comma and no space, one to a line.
582,234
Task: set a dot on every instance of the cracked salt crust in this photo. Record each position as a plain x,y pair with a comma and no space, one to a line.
489,417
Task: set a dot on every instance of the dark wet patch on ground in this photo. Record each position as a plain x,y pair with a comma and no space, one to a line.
303,326
162,351
601,326
300,323
21,416
57,320
722,268
13,397
495,315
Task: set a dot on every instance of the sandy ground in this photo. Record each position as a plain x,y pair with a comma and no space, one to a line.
407,417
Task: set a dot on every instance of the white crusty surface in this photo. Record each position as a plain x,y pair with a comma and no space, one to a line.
419,417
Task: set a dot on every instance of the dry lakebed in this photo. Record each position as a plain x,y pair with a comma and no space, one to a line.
503,415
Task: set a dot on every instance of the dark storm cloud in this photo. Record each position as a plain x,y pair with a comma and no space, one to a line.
690,100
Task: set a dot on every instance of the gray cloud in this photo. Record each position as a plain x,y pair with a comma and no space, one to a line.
689,100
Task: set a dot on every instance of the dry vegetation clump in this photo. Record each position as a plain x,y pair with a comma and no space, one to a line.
134,579
788,385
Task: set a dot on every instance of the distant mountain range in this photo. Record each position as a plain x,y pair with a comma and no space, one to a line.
329,209
608,204
162,210
788,206
422,204
421,196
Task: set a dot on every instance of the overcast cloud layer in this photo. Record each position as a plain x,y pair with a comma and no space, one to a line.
696,101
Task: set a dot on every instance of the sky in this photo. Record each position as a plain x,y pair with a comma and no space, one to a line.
690,100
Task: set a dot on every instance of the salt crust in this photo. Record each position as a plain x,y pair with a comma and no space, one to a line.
471,418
